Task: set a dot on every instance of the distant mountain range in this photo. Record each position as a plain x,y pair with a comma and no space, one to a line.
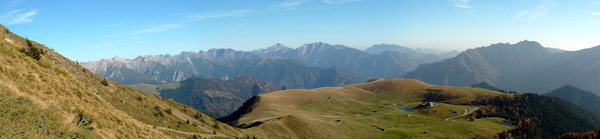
218,95
309,66
390,61
526,66
160,69
578,96
380,48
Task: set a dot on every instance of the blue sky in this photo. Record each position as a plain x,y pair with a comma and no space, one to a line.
87,30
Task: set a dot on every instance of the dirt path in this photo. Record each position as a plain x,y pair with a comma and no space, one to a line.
204,135
464,114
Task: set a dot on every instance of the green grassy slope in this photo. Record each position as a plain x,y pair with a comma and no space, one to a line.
362,110
45,95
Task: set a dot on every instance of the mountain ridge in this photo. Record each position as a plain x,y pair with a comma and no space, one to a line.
324,55
526,66
380,48
168,68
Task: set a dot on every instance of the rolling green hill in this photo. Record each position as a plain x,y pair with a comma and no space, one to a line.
377,109
392,108
485,85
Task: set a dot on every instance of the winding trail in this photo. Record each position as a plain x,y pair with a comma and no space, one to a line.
204,135
464,114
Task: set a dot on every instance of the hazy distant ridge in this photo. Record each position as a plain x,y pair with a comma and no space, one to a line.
526,66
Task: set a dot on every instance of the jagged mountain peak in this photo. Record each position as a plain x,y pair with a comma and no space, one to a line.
278,46
524,45
220,50
528,43
275,49
117,58
321,45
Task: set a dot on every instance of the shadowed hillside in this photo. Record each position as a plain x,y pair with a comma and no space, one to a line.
580,97
218,95
585,135
537,116
483,64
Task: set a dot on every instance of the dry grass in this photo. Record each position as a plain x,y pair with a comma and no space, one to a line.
56,83
153,88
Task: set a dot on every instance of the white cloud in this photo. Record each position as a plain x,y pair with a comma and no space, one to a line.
594,13
292,4
289,4
522,13
338,1
469,12
218,14
540,10
159,28
17,17
462,4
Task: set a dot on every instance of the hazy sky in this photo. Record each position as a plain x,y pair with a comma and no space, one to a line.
87,30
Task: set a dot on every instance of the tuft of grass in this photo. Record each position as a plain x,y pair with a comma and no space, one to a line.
169,111
33,51
198,116
83,120
24,119
104,82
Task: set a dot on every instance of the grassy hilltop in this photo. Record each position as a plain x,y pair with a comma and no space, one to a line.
376,109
